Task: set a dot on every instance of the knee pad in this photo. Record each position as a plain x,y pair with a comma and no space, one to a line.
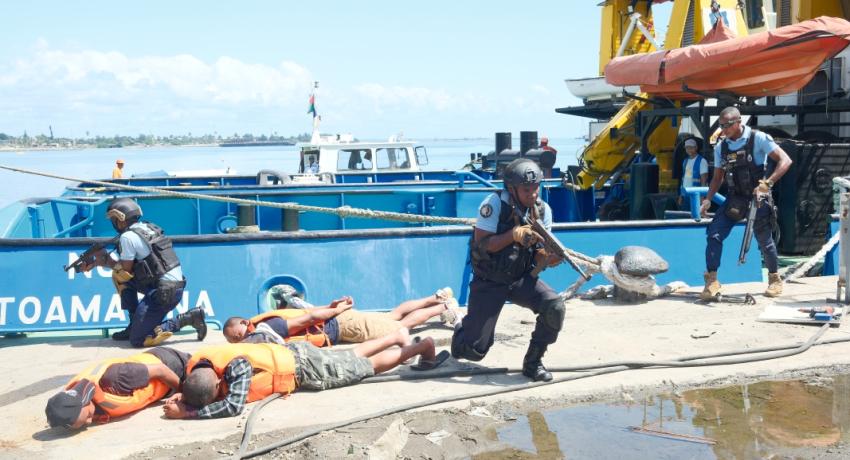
552,313
461,350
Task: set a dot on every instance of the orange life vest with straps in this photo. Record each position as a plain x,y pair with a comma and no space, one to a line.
274,366
116,405
314,334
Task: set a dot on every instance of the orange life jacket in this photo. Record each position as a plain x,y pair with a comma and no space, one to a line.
116,405
314,334
274,366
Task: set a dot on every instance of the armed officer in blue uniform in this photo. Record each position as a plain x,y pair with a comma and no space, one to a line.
146,265
504,254
740,159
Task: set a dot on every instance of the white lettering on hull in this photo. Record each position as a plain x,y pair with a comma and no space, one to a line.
29,309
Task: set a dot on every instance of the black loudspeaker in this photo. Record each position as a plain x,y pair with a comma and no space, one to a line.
804,195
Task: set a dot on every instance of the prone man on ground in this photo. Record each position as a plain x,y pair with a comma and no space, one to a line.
116,387
338,321
221,379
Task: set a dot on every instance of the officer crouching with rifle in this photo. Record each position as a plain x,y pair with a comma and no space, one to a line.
146,265
504,254
740,160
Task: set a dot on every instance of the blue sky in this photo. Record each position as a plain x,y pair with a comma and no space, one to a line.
428,69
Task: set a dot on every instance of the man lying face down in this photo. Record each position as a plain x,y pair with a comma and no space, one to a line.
222,379
115,387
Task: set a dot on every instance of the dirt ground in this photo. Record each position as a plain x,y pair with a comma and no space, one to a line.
594,332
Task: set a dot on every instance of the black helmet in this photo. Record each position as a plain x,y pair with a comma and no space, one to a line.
124,210
522,171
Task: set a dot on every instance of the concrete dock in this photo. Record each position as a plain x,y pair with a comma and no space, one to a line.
594,332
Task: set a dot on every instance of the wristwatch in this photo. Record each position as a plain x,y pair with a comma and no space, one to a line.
769,183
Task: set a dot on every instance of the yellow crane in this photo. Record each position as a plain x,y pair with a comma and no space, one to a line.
617,143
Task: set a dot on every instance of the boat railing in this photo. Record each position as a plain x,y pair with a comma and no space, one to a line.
695,195
462,176
85,207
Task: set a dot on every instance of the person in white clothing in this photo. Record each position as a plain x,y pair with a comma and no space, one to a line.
694,172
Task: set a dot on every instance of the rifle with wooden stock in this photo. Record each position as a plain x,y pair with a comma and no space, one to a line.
554,246
748,230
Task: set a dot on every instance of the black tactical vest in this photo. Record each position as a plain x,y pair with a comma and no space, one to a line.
742,173
161,260
513,261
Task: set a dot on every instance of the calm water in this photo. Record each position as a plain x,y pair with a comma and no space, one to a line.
776,419
98,163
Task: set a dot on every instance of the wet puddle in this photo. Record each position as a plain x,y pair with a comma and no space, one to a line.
758,420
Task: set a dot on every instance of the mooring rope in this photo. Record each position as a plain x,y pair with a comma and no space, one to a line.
342,211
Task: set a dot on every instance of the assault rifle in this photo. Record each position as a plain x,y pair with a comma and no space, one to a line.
554,246
748,231
87,257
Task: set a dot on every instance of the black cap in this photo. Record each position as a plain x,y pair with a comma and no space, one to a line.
64,408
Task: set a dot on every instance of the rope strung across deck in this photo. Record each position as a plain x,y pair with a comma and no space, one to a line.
342,211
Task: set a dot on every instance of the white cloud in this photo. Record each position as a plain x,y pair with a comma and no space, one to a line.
82,75
540,89
403,96
109,92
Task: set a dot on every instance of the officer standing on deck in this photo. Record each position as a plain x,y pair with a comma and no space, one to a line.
504,252
739,160
146,265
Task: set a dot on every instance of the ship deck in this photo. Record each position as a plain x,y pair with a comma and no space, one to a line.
595,331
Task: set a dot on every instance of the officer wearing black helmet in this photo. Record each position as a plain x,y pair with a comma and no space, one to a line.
146,265
504,252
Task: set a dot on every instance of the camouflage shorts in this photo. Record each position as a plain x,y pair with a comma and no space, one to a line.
323,369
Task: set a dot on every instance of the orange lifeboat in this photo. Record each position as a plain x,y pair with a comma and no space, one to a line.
769,63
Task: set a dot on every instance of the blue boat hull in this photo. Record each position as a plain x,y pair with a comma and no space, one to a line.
229,273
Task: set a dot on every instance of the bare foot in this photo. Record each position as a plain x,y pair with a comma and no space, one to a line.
427,349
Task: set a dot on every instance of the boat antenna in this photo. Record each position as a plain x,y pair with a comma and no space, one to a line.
314,138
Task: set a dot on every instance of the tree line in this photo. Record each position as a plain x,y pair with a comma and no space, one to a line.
42,140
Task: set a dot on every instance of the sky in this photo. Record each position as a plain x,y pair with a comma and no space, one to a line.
435,69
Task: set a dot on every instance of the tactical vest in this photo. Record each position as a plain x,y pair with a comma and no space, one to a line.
314,334
274,366
511,262
742,173
161,260
116,405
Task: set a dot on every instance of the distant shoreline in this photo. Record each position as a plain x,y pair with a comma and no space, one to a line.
5,148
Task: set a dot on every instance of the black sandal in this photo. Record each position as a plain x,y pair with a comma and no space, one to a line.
427,364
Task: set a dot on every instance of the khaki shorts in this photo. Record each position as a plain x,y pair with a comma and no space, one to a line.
322,368
357,327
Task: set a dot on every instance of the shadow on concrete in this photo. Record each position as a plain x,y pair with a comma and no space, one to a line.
33,389
88,341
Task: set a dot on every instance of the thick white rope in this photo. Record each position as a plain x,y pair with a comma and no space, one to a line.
342,211
801,270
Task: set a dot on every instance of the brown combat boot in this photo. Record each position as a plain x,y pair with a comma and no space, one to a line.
774,285
712,286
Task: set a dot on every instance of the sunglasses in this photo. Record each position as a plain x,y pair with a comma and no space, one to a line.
726,125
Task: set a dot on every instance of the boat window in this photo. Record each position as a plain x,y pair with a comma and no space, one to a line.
393,158
309,158
354,160
312,162
421,155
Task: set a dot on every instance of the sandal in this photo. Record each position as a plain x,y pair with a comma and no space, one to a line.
428,364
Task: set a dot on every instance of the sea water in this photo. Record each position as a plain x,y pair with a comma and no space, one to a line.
98,163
